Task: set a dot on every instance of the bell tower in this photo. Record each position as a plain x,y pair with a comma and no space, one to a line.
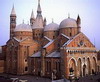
38,25
12,22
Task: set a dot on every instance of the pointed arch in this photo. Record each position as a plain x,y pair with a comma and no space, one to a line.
84,70
79,67
94,65
72,64
88,65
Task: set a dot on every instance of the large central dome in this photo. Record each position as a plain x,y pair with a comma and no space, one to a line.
23,27
69,22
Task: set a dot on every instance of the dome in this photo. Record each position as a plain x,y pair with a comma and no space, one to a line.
69,22
51,27
23,27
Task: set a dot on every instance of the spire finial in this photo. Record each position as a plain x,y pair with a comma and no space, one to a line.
78,17
23,21
68,15
39,7
13,11
32,14
52,20
38,1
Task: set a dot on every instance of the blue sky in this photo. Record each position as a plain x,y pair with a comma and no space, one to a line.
88,10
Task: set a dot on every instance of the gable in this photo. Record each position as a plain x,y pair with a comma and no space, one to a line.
63,39
46,40
80,40
28,40
12,42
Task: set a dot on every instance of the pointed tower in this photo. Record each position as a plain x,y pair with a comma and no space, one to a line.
32,19
79,23
38,25
12,22
39,11
45,22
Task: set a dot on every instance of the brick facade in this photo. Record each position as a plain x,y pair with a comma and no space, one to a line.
54,53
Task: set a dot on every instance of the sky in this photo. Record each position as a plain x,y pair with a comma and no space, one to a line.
88,10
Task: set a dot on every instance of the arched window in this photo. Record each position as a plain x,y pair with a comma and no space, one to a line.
26,69
53,37
70,34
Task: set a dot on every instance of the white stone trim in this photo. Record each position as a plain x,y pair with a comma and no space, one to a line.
95,58
71,59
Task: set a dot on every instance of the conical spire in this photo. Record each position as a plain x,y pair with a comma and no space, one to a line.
13,11
39,7
78,17
78,20
45,19
39,19
32,14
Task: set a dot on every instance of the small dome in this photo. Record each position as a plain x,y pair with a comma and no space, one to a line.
23,27
69,22
51,27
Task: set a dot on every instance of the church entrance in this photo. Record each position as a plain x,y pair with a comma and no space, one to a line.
94,64
72,66
84,70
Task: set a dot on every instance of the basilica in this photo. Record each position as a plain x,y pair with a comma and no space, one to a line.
48,50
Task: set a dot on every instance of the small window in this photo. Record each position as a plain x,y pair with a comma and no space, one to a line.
53,37
26,68
34,51
25,60
70,34
20,38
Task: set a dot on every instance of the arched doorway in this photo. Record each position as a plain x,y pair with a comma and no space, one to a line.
84,70
72,64
88,66
79,67
94,64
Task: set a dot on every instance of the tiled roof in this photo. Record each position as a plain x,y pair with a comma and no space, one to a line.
20,40
65,36
47,38
37,54
48,44
54,54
